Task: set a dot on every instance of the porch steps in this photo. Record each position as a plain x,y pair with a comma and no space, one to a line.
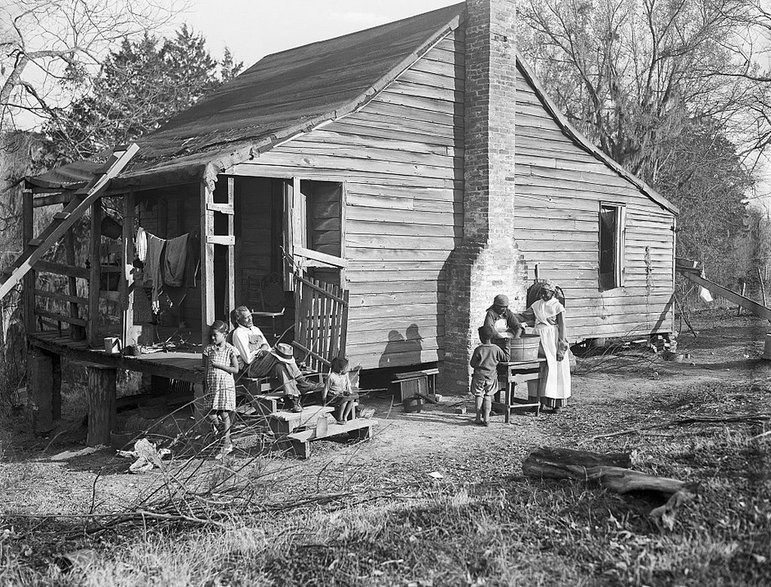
360,427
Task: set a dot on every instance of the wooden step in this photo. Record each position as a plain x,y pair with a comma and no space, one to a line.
284,422
301,440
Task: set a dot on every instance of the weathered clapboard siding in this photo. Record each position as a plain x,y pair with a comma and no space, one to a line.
559,187
401,157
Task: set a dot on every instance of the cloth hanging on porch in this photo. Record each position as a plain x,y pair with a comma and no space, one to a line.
170,265
174,261
140,244
152,271
193,257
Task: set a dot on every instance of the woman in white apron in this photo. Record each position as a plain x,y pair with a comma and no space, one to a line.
549,319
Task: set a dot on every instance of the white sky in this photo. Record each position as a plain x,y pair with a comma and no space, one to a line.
252,29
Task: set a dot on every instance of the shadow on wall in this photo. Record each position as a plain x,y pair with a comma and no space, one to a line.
402,350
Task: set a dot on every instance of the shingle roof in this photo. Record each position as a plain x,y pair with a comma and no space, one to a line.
279,96
291,92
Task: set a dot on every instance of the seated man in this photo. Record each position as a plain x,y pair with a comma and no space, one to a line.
287,377
255,360
253,349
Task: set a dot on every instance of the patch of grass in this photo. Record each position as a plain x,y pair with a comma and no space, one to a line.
481,524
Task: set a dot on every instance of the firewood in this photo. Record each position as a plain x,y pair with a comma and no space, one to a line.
609,471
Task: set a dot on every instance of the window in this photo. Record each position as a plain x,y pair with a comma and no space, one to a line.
314,228
612,228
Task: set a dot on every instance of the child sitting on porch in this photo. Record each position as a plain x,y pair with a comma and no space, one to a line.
338,388
221,364
484,382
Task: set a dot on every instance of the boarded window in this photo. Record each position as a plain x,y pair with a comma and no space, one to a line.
612,228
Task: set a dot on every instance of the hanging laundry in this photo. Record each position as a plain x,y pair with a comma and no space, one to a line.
174,261
140,244
193,257
152,271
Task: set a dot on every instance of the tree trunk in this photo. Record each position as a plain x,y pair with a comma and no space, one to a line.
609,471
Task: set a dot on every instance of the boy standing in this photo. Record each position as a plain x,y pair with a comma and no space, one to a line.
484,382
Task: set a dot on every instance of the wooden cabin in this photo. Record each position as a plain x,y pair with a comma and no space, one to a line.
408,172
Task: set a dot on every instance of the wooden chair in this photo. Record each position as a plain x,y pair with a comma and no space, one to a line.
270,300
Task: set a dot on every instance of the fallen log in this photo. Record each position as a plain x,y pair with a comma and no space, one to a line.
610,471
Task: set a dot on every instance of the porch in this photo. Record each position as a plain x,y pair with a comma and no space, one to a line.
272,244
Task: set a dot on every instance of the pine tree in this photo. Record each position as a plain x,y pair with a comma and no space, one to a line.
141,85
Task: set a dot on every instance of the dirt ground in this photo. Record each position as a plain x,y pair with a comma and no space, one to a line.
727,349
622,388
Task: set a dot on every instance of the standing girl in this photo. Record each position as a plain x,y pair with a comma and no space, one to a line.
549,319
338,388
221,361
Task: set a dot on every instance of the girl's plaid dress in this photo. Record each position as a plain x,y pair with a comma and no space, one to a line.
220,384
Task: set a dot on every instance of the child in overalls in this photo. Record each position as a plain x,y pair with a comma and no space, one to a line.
484,382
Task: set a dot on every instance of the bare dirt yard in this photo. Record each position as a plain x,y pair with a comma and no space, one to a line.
431,499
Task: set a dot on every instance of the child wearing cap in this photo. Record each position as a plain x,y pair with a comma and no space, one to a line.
484,382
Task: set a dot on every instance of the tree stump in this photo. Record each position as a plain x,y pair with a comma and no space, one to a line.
609,471
101,404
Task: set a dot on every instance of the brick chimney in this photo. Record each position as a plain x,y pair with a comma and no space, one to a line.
488,261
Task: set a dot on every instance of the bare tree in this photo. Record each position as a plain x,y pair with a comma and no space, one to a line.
631,73
46,43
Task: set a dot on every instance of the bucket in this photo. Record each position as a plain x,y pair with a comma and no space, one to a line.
112,345
524,348
413,404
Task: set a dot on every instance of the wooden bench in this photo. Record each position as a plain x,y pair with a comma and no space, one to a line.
283,422
360,427
415,382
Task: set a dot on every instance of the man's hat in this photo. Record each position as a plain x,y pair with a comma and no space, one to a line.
283,352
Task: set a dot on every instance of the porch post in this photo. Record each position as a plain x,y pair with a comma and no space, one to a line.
101,404
94,282
128,333
207,259
231,285
40,367
28,286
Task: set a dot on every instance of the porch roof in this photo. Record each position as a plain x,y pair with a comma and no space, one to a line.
280,96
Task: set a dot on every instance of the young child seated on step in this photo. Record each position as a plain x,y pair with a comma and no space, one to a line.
338,391
484,382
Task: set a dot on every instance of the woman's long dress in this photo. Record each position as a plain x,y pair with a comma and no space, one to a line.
554,382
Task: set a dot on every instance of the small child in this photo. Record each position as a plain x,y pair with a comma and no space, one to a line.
484,382
221,360
338,387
